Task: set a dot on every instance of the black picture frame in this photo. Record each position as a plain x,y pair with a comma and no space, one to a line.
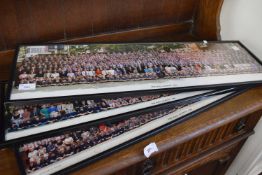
3,88
174,96
161,86
139,138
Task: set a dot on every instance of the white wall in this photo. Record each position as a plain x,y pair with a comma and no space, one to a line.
249,159
242,20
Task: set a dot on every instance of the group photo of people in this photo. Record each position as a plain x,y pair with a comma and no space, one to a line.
41,153
105,65
28,116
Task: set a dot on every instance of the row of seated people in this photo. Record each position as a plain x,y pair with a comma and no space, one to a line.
55,77
23,117
46,70
44,152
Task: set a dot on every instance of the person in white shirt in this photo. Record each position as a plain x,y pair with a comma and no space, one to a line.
69,108
68,141
90,72
54,75
111,71
84,72
71,74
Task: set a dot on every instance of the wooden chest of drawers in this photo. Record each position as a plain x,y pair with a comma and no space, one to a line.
205,144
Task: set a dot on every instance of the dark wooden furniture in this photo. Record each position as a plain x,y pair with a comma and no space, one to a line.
205,144
30,21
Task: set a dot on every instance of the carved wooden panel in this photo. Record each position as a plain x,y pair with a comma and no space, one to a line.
183,147
161,163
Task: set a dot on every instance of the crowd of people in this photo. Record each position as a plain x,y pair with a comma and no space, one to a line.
44,152
27,116
53,70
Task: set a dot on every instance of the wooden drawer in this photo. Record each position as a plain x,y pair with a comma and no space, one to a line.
181,145
210,139
164,162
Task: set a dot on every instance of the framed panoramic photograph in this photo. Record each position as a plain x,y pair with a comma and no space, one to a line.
65,151
27,118
55,70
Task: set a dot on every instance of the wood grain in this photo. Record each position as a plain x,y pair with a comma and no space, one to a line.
207,25
6,61
29,22
223,114
175,143
210,138
222,117
173,32
8,164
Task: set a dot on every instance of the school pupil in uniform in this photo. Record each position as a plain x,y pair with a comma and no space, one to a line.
44,113
16,120
53,111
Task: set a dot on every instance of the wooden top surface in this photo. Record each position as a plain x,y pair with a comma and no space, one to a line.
230,110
